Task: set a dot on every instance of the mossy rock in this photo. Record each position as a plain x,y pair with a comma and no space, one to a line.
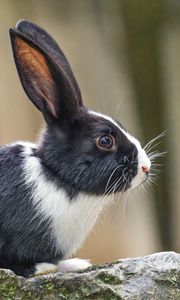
154,277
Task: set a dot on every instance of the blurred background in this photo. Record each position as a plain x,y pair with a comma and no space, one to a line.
126,57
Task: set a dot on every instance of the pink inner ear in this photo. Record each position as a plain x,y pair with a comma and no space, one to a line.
35,69
51,104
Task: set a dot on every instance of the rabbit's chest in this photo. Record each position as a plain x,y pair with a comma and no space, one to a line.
71,220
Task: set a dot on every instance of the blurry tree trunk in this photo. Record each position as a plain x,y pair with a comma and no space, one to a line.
143,21
171,77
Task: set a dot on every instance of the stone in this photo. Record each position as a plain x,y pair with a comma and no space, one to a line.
155,276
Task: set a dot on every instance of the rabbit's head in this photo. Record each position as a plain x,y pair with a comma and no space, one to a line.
85,150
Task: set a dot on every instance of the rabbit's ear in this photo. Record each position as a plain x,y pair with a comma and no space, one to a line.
45,74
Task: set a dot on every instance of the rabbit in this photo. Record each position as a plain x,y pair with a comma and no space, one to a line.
52,192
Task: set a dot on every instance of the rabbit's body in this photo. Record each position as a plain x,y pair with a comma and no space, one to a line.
46,224
52,193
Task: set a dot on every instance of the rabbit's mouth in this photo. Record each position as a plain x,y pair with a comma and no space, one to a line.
121,177
132,180
129,175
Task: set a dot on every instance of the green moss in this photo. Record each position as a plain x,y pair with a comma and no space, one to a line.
109,278
174,280
8,288
171,282
107,294
11,287
65,290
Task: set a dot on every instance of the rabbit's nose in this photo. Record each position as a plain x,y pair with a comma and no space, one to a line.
145,169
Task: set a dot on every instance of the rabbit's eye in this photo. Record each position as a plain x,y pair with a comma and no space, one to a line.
106,142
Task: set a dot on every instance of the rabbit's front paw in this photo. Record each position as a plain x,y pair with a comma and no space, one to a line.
73,264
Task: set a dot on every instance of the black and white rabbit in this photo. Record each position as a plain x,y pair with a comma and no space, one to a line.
51,193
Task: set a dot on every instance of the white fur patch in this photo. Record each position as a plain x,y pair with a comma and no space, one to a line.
73,264
63,266
45,268
143,159
71,220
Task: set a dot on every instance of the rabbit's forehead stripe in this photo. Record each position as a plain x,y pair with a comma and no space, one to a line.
129,137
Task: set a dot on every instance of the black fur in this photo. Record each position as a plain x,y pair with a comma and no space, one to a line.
23,243
68,154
